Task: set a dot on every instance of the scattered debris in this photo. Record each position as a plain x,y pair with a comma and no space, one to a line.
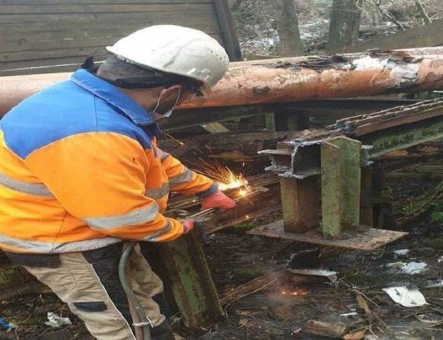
57,321
401,252
411,268
251,287
7,326
324,329
430,319
320,273
435,284
333,330
407,297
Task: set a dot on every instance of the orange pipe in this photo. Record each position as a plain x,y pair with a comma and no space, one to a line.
290,79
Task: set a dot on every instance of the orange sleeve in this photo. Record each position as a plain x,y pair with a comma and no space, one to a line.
182,179
99,177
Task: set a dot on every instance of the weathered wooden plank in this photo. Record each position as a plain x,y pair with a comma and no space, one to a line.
6,9
424,36
55,2
59,48
70,63
114,18
83,26
70,39
205,23
19,48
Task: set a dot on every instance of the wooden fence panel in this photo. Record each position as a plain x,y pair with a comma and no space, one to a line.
42,36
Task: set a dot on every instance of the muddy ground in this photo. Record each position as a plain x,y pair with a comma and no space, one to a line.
281,309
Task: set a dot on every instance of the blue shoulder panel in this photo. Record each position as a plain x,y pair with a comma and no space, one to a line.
60,111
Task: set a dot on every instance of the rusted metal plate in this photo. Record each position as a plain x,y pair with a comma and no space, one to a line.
364,239
329,275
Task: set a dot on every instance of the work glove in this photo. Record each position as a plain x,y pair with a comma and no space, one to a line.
188,225
217,200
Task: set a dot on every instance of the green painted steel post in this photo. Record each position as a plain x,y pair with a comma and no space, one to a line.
270,122
191,282
341,185
331,189
350,180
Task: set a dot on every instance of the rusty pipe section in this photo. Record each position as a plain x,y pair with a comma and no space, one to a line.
16,88
291,79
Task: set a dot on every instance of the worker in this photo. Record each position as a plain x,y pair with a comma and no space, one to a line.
81,172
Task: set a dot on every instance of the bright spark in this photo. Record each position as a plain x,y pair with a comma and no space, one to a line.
294,293
224,176
220,173
175,140
228,180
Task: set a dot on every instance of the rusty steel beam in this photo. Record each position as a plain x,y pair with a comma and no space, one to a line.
291,79
386,130
401,115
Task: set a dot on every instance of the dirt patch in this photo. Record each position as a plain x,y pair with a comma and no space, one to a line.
280,310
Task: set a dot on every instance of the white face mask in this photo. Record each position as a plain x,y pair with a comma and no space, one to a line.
168,113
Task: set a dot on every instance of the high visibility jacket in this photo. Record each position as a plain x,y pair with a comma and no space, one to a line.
78,172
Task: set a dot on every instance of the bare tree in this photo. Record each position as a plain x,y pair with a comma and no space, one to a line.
422,12
344,24
378,6
288,30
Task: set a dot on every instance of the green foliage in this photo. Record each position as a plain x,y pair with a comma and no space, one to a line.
429,201
243,227
436,243
437,212
387,194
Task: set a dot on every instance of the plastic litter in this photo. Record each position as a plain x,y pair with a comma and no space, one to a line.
7,326
407,297
409,268
57,321
435,284
401,252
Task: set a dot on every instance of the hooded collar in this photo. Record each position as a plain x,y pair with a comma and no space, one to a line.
117,99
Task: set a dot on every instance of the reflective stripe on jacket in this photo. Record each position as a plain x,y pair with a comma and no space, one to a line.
77,171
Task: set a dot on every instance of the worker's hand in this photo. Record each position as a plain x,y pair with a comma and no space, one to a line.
188,225
217,200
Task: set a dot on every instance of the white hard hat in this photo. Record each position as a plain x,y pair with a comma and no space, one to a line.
177,50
